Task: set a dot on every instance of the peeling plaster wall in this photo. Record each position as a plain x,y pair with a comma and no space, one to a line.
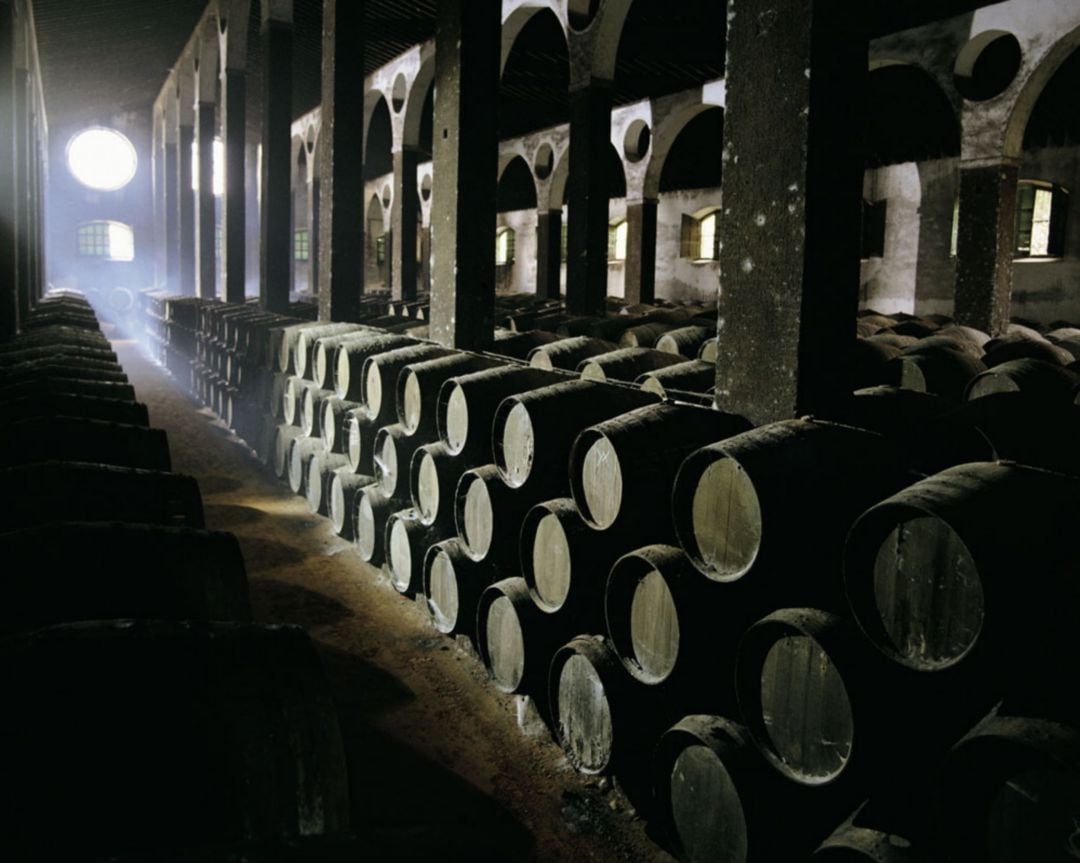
683,278
887,284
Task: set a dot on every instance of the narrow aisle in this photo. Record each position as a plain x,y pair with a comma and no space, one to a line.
438,765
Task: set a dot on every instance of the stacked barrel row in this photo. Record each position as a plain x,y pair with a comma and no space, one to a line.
129,661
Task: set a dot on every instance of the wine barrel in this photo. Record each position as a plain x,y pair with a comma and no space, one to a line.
891,411
327,350
694,376
1063,333
11,355
194,574
625,364
66,386
1010,792
568,353
944,371
284,437
959,331
344,490
644,335
517,345
351,357
433,478
620,466
317,478
467,404
393,453
292,404
515,640
88,407
380,376
311,411
686,341
887,338
64,367
373,510
452,585
488,516
565,562
533,432
278,384
335,413
307,343
418,388
85,440
919,328
407,542
254,748
301,451
931,571
1039,379
1071,345
759,500
360,440
48,336
717,799
950,341
288,355
878,833
866,366
1031,349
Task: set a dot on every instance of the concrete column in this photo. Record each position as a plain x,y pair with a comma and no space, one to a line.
252,221
640,268
314,197
171,215
205,222
984,247
792,188
467,48
425,258
587,199
340,168
403,217
276,242
234,204
185,197
9,295
548,253
23,201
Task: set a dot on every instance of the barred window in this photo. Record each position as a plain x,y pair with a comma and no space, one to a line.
700,235
110,241
301,245
1041,210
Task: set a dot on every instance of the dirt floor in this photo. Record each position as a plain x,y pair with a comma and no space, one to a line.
439,767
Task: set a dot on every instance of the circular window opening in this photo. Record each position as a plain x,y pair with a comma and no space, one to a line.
637,140
397,95
102,159
386,196
425,187
545,161
987,65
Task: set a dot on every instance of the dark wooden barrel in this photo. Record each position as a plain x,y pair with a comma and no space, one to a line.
693,376
279,382
1031,349
292,405
311,411
533,432
88,407
393,452
380,376
718,800
568,353
932,572
344,489
64,367
407,541
284,437
301,451
65,491
335,413
709,350
373,510
565,562
31,388
453,584
622,470
943,371
760,500
293,354
1072,345
625,364
952,341
686,341
327,349
897,341
885,832
84,440
518,346
867,359
488,515
48,336
11,354
1039,379
433,478
919,328
467,404
644,335
254,749
349,371
959,331
318,476
1009,792
307,345
153,572
418,388
360,440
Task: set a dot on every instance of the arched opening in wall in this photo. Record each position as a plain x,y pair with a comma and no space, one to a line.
534,91
377,250
616,174
379,143
667,47
426,141
1055,119
301,223
581,12
907,117
516,207
693,161
307,55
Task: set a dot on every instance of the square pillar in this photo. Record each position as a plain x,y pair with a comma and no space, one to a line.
467,47
276,242
205,220
185,204
340,169
587,199
984,247
403,219
792,188
252,220
640,269
234,204
548,253
171,214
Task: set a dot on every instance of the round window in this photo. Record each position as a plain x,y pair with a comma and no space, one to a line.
102,159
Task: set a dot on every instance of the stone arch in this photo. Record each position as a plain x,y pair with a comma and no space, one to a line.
681,168
603,35
515,19
1032,87
378,139
534,87
664,136
417,99
516,188
908,116
233,17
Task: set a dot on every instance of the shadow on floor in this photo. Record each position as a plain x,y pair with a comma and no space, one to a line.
279,602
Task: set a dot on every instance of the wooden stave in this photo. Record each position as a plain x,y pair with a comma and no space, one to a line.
317,479
307,345
350,484
301,451
372,512
568,353
354,355
427,377
407,577
471,579
387,365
